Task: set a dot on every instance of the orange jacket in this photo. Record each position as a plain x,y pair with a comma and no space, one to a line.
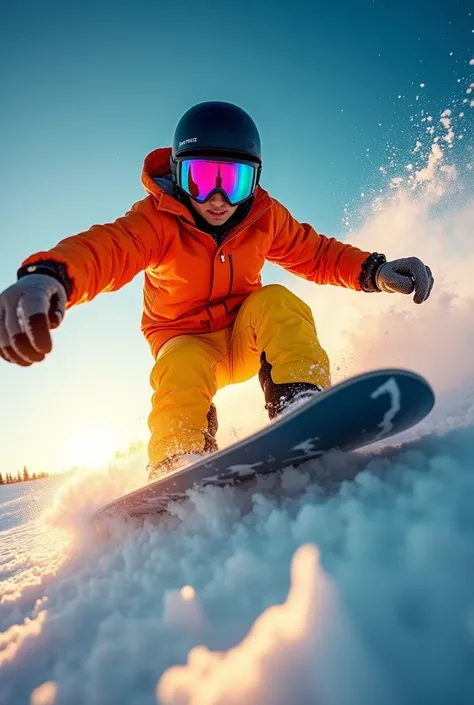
192,285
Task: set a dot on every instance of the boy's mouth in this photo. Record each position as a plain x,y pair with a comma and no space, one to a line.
216,213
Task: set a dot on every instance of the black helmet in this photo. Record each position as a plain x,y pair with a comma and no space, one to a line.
216,127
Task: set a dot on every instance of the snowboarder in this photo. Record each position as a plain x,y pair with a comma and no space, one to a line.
201,236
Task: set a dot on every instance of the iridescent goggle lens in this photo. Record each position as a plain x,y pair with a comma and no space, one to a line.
200,178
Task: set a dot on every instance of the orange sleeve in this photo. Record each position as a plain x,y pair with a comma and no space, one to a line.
106,257
301,250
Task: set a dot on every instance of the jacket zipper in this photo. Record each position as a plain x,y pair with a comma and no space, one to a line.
231,282
231,263
231,267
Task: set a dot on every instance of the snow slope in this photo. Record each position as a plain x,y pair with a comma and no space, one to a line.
379,608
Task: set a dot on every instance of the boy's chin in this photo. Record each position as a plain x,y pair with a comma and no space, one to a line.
216,221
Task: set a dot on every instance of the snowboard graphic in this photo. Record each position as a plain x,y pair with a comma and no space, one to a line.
359,411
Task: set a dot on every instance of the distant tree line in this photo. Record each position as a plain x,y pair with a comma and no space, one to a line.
24,476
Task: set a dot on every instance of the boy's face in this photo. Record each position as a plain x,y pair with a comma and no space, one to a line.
216,210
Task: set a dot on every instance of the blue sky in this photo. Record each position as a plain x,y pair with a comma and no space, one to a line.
89,88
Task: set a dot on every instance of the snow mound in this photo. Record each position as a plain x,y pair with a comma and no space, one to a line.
201,608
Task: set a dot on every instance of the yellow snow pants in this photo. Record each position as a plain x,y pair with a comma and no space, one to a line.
189,369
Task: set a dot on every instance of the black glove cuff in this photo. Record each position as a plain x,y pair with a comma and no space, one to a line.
51,268
369,270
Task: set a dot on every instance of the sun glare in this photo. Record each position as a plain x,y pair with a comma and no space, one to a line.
91,447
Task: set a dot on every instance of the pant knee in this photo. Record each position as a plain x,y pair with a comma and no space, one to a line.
273,298
273,292
286,334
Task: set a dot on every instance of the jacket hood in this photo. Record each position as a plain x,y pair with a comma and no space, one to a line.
156,164
156,179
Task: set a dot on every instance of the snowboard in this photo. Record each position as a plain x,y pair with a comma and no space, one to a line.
348,416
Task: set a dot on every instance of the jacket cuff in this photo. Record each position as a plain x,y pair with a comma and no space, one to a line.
369,270
51,268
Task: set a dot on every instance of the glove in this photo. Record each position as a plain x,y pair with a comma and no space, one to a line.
405,276
31,307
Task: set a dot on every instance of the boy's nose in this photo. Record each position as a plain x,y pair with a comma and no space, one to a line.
218,201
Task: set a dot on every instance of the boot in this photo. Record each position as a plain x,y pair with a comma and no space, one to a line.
178,461
279,397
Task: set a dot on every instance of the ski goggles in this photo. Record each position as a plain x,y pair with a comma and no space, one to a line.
201,178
